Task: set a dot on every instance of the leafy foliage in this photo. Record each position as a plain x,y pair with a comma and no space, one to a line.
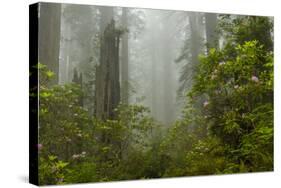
51,170
95,150
227,125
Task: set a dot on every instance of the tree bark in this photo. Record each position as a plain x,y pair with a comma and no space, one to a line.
49,37
125,59
211,35
107,96
196,46
195,38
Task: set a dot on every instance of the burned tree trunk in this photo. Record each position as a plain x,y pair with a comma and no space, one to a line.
107,95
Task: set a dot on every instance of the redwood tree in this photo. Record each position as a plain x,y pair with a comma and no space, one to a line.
49,37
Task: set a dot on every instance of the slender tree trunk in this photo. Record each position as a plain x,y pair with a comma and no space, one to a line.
196,46
211,35
49,37
167,86
78,79
195,38
65,51
154,55
154,84
125,60
167,76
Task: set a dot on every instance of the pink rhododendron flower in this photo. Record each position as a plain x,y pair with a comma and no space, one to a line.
206,103
39,146
255,79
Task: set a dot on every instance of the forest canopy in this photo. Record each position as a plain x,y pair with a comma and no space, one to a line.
128,93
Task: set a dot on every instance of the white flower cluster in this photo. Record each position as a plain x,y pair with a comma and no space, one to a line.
77,156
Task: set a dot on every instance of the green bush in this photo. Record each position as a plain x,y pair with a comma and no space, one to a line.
52,170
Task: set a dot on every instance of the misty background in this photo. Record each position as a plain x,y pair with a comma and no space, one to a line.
156,67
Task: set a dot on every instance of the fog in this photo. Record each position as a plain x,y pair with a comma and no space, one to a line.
156,66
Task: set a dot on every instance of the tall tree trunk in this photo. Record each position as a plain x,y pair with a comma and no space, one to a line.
125,60
154,84
153,29
195,37
49,37
65,52
107,86
211,35
106,14
167,86
167,75
196,46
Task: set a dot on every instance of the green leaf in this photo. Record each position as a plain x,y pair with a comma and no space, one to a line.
50,74
61,164
52,157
